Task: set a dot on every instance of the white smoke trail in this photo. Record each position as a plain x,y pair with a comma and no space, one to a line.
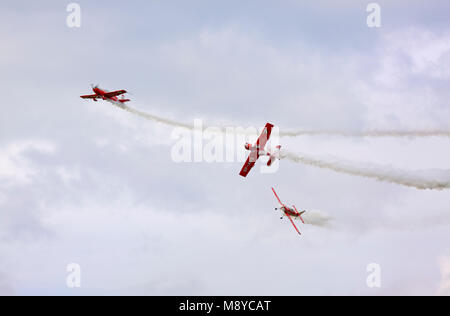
373,133
158,119
151,117
424,179
317,218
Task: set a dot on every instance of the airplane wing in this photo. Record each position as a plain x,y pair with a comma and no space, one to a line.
277,197
114,93
264,137
260,143
247,167
293,223
90,96
300,214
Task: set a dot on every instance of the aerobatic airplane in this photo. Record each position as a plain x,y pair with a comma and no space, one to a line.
258,150
289,212
106,95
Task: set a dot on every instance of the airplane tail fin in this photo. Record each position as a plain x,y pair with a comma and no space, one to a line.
300,215
274,155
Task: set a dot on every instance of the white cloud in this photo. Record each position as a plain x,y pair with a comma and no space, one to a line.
2,198
444,264
6,288
68,174
414,52
403,87
15,166
113,201
232,68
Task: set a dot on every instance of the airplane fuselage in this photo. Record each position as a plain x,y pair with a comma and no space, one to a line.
101,95
256,150
288,211
106,95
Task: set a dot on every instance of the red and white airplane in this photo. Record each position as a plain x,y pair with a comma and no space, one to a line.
106,95
258,150
289,212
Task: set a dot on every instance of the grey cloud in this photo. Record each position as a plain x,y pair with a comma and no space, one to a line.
111,198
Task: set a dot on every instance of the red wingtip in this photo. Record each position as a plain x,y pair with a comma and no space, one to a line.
293,224
277,197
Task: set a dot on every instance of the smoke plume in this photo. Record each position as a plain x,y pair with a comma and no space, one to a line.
151,117
317,218
373,133
422,179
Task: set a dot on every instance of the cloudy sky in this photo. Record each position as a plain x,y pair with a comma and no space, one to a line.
87,183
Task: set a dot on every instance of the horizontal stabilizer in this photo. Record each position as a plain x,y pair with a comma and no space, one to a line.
275,155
